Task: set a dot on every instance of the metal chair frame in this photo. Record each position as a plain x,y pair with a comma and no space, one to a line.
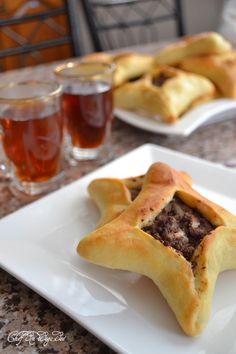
24,48
91,6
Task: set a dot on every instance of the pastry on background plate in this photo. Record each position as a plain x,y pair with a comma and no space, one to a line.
164,91
129,65
189,46
114,195
220,69
176,237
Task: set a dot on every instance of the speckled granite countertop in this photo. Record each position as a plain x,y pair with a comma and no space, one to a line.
21,308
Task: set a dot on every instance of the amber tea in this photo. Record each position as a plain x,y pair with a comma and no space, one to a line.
88,111
88,108
31,126
34,146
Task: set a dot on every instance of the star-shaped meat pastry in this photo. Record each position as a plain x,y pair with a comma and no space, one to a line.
128,65
176,237
165,92
114,195
206,43
220,69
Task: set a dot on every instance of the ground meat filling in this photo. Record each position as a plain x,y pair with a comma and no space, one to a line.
160,80
134,192
136,78
180,227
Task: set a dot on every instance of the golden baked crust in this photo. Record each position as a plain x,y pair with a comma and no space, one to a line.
175,94
129,65
220,69
189,46
114,195
99,56
186,285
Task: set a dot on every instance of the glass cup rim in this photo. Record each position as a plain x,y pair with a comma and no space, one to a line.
57,90
108,69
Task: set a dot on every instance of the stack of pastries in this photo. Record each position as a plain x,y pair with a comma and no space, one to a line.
193,70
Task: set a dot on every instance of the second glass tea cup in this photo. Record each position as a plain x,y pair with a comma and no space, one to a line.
88,108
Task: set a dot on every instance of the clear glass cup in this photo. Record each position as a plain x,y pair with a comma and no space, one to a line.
88,108
31,123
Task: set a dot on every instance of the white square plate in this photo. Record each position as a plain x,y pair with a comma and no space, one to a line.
126,310
208,113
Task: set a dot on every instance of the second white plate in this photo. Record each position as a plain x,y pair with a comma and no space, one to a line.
211,112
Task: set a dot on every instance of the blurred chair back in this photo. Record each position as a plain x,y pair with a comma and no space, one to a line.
27,35
120,23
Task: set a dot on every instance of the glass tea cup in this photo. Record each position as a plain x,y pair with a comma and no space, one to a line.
88,108
31,123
